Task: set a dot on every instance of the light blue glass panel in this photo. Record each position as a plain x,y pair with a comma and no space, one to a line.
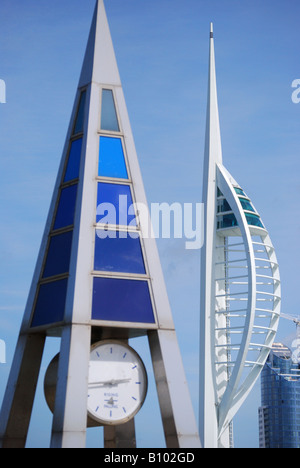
111,158
109,119
73,166
122,300
78,128
114,205
118,251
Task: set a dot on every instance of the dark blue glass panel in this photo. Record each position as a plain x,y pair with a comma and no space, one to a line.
109,120
80,114
50,305
111,158
59,253
114,203
66,207
114,252
227,221
72,171
122,300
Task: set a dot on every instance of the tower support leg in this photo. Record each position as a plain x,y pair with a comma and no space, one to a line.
121,436
20,391
174,398
70,412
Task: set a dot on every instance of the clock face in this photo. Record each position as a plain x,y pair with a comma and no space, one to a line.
117,382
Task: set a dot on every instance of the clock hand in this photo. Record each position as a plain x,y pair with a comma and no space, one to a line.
110,382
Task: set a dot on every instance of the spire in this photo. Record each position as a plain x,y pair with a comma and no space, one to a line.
100,63
213,151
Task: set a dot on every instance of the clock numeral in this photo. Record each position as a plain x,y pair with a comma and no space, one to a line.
134,367
124,355
134,398
124,409
111,350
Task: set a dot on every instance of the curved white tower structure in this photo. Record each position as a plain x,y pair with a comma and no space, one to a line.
240,289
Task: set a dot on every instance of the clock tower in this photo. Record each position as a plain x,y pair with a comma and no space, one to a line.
98,282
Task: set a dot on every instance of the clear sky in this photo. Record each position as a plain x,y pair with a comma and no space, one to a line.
162,52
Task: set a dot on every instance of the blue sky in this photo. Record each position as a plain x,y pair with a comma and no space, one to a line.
162,52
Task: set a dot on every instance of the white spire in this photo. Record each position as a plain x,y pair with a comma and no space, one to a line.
213,150
100,63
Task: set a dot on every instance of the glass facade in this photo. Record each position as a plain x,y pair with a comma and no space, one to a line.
51,296
121,286
124,294
228,219
279,415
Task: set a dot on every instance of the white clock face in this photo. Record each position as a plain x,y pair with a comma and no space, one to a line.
117,382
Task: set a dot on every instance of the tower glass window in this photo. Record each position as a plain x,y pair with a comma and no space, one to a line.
122,300
59,252
66,207
118,251
111,158
50,304
115,205
73,166
78,128
109,119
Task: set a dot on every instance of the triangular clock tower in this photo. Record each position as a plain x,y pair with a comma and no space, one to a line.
98,282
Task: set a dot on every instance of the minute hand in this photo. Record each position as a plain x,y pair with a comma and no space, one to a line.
110,382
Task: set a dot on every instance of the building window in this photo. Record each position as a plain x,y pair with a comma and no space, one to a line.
109,119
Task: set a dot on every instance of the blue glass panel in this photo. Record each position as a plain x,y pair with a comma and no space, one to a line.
80,114
59,253
72,171
114,205
254,220
246,205
50,305
224,207
227,221
122,300
109,120
66,207
111,158
239,191
114,252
